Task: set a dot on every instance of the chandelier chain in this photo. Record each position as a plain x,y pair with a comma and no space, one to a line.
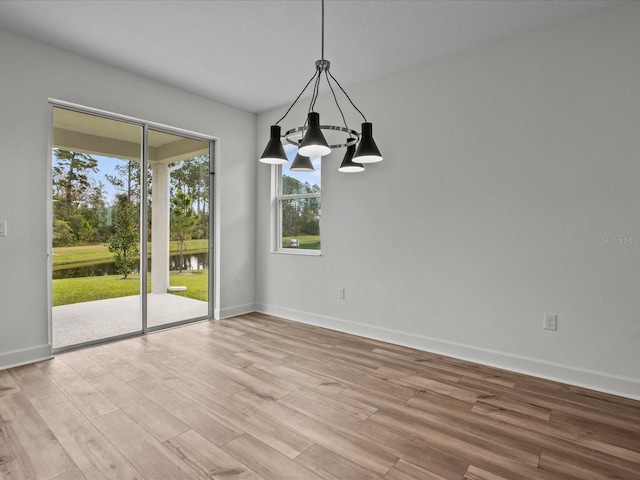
297,98
316,90
347,95
336,100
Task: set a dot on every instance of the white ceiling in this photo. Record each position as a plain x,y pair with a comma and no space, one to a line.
258,54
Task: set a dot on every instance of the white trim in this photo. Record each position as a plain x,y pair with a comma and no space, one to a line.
276,214
601,381
15,358
228,312
297,196
299,251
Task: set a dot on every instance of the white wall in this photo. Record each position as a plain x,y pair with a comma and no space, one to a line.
30,74
505,167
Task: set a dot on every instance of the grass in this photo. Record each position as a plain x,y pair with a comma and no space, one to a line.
86,289
66,257
308,242
83,254
194,280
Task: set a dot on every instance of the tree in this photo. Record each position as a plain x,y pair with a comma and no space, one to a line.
71,175
96,212
193,179
78,198
300,216
128,179
62,234
183,221
124,241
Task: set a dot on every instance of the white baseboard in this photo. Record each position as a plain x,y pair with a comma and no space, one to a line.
220,313
603,382
16,358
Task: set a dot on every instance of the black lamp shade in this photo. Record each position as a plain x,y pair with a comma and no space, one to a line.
367,151
274,153
314,144
301,164
348,165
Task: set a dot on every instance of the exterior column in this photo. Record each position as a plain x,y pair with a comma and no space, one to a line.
159,228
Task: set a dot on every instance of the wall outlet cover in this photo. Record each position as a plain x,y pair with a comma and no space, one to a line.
550,321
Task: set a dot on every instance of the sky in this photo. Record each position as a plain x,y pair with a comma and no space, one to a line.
106,165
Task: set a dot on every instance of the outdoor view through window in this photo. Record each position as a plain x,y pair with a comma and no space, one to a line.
299,206
98,201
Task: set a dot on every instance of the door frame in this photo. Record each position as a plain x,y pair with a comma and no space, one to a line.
214,264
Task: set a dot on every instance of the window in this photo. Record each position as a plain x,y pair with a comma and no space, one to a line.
298,207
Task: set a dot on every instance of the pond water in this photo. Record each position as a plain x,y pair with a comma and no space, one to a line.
198,261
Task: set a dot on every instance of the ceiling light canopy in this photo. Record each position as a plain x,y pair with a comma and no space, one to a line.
361,148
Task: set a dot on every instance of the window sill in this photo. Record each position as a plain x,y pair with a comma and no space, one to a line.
296,251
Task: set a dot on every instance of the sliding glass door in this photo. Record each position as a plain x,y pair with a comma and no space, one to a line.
130,214
178,192
96,228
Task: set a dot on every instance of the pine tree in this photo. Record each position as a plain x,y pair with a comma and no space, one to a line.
124,242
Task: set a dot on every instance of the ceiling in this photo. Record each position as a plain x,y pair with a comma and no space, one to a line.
258,54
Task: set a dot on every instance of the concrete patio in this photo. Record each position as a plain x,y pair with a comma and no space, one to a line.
87,321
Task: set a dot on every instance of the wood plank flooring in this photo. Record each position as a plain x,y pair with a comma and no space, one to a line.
260,398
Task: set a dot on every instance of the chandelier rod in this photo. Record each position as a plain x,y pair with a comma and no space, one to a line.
322,50
322,66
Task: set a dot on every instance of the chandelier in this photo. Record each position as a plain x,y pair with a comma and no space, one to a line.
310,139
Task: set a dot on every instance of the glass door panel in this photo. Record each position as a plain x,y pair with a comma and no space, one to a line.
178,211
96,199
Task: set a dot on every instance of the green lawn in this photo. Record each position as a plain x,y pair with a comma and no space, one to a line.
74,256
82,254
194,280
85,289
308,242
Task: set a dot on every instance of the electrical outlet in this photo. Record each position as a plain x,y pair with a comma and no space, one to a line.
341,293
3,228
550,321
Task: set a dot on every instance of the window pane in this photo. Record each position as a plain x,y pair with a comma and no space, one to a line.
301,223
294,183
96,205
294,186
178,202
299,217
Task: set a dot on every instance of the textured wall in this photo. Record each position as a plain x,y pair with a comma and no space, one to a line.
509,189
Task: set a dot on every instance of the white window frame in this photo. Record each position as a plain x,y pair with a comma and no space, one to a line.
278,198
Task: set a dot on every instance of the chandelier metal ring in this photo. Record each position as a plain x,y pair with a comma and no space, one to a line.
354,136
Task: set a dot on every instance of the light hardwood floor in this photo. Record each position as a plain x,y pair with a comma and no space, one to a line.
256,397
